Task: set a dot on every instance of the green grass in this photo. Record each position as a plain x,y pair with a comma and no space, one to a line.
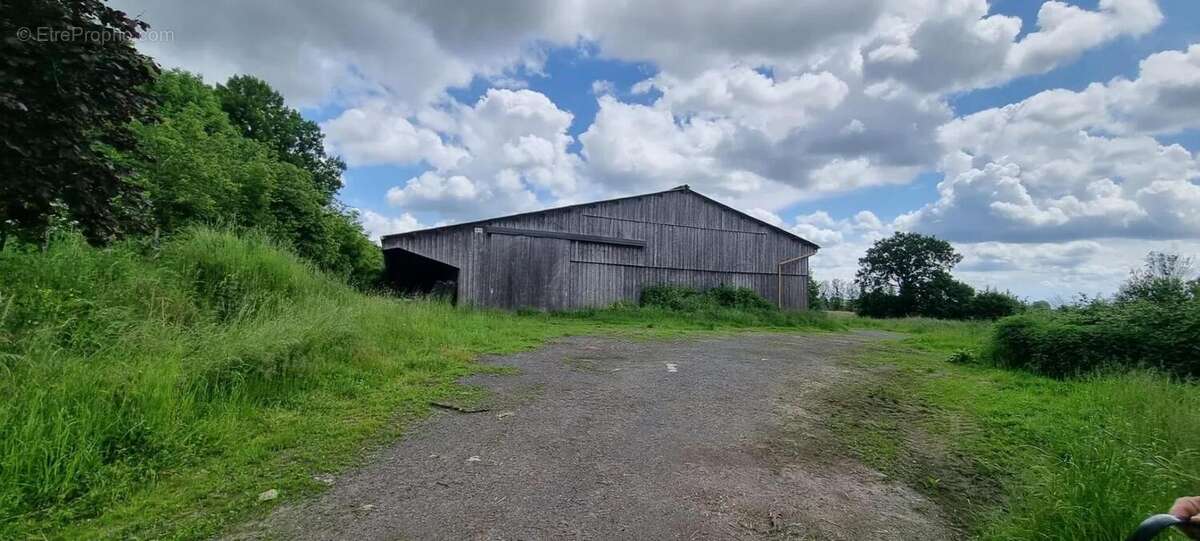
156,392
1014,455
667,320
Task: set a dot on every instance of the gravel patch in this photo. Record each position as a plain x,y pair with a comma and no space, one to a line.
604,438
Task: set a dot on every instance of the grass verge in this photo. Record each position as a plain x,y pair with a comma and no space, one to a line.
1012,455
155,392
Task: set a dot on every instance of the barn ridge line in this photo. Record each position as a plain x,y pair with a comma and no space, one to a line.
682,188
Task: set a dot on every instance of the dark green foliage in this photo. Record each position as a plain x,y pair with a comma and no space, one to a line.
62,102
816,301
882,304
943,297
908,274
1040,305
684,298
1153,322
1162,279
835,294
905,261
1078,340
962,356
259,112
722,306
196,167
989,304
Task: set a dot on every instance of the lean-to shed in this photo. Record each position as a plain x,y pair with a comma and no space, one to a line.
595,254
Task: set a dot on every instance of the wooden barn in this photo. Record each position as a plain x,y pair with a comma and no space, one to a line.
595,254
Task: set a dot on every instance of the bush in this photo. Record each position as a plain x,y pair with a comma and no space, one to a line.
943,298
881,304
683,298
993,305
1102,335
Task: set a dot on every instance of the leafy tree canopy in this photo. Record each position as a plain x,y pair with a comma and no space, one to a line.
195,167
1163,278
259,112
63,101
944,297
905,262
909,274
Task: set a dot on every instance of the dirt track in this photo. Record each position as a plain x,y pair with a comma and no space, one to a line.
599,438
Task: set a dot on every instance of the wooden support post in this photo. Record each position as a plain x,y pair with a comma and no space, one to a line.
779,271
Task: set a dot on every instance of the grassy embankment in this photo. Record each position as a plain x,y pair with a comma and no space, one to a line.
156,393
1013,455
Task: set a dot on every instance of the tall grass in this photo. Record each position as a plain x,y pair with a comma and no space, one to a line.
680,307
156,391
1084,458
1108,452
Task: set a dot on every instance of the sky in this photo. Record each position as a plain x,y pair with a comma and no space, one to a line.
1053,143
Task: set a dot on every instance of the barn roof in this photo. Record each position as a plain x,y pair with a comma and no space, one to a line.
683,188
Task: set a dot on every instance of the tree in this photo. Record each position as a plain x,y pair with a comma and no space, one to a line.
989,304
815,300
70,83
841,294
909,273
905,262
943,297
1163,278
259,112
195,167
1040,305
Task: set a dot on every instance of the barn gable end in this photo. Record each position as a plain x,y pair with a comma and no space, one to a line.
596,254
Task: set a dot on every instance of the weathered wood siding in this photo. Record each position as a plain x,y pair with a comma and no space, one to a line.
688,239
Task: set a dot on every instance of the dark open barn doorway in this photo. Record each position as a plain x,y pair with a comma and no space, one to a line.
414,274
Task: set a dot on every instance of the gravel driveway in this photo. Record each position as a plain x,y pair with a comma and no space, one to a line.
603,438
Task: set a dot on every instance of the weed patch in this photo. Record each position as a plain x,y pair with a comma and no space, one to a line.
1021,456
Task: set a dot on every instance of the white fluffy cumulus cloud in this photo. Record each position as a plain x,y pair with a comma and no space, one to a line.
377,225
1064,165
761,104
494,156
955,44
799,98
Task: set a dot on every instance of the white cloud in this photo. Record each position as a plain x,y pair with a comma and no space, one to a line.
954,45
752,99
1065,31
762,105
842,241
687,37
1057,271
375,133
602,87
430,188
378,225
1064,165
317,51
508,147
